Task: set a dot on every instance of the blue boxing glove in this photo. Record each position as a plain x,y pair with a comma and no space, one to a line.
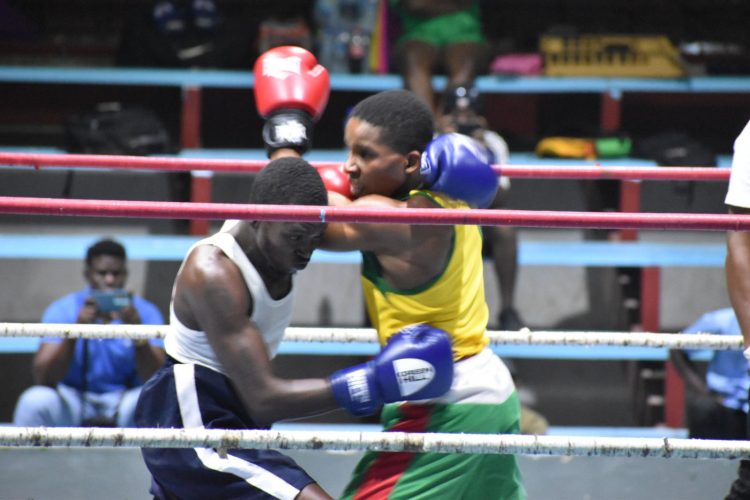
460,167
417,363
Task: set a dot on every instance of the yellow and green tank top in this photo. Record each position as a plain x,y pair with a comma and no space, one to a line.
453,301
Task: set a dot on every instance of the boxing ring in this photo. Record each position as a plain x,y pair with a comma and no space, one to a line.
347,443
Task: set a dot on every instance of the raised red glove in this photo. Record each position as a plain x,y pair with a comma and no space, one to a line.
291,92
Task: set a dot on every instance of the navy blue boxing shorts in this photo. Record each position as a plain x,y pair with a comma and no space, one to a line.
192,396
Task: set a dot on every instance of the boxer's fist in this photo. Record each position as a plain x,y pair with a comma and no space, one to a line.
335,180
417,363
291,92
459,166
290,78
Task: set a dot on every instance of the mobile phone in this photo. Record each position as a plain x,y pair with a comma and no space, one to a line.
111,300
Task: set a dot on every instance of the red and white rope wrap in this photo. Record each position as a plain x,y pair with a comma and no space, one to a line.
485,217
368,335
43,160
224,440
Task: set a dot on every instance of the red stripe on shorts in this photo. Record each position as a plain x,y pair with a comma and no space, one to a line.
388,467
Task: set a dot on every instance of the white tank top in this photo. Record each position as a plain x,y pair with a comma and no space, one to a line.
269,315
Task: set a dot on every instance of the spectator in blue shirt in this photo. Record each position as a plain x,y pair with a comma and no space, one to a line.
92,382
717,403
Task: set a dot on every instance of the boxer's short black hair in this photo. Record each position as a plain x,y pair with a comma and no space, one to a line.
105,246
405,121
288,181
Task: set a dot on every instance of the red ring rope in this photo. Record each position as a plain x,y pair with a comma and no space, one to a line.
525,218
38,160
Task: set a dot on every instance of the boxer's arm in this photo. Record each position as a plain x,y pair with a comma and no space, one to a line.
218,299
345,236
737,270
386,239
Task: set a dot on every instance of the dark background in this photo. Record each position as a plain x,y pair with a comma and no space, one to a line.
119,33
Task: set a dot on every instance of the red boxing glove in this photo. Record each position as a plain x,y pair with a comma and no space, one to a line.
291,92
290,78
335,180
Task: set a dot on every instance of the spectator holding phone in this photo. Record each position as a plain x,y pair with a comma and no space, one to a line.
92,382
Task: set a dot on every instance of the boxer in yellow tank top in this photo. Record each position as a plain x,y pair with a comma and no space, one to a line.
423,274
463,315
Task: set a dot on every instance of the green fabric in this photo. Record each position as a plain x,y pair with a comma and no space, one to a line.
453,475
613,147
458,27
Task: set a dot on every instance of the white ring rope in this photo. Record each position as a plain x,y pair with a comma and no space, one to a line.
224,440
367,335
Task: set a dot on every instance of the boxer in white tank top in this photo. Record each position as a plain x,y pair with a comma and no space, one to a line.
270,315
231,302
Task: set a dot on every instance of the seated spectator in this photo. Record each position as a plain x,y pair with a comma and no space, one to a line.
716,403
92,382
461,112
443,35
